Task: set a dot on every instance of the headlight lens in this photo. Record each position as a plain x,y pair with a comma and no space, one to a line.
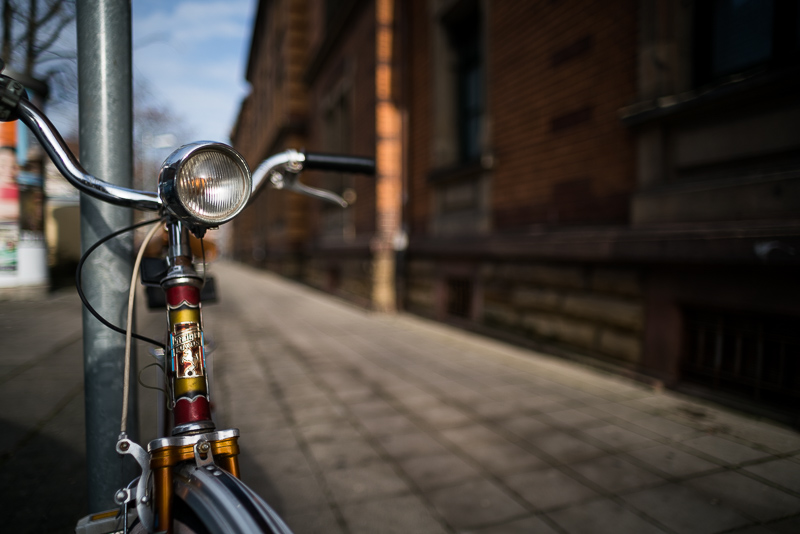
206,183
212,186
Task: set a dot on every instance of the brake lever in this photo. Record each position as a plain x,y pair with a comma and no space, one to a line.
290,181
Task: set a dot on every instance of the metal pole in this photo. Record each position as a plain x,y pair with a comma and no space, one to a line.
105,99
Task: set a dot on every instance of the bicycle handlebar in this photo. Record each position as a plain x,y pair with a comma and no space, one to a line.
282,169
71,169
337,163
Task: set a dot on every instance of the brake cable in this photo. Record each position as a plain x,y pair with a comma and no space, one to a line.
79,283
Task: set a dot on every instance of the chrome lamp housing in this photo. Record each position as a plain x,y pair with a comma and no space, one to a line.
204,185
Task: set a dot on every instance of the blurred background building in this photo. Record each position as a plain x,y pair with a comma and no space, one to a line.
616,182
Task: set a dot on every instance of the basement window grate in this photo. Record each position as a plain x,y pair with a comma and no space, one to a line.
753,356
459,297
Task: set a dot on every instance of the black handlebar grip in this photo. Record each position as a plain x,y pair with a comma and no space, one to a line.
338,163
11,91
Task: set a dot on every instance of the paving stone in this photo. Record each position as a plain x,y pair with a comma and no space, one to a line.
356,394
526,426
615,474
725,450
496,409
309,415
264,439
549,488
372,408
764,433
686,510
444,417
364,483
783,472
495,454
618,437
433,472
329,432
313,521
622,411
526,525
474,504
664,428
395,515
290,462
602,517
389,425
504,457
564,447
414,444
750,497
572,418
406,391
786,526
334,455
476,434
758,529
672,461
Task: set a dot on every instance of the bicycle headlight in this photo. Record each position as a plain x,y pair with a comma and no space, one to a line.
205,184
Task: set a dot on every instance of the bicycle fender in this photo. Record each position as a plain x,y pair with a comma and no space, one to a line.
224,503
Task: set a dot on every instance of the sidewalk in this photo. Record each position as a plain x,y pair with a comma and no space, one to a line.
356,422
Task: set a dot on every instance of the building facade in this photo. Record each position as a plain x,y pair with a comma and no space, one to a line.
615,182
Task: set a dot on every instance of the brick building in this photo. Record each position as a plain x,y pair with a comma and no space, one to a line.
613,181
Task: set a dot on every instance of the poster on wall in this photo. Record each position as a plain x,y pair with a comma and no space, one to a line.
9,209
31,202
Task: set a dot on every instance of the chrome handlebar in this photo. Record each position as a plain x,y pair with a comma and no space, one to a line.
71,169
282,172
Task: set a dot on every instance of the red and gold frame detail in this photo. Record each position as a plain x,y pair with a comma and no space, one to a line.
187,356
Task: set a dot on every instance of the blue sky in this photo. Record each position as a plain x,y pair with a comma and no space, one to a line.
192,55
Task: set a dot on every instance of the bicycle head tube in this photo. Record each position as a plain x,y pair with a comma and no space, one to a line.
186,359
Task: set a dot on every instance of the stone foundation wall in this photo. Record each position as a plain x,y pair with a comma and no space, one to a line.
594,309
420,287
350,278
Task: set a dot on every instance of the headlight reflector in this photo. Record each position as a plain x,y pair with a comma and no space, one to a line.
205,184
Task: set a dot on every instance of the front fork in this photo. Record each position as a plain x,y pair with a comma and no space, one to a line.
193,435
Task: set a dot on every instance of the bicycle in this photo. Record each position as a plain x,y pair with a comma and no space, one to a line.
189,479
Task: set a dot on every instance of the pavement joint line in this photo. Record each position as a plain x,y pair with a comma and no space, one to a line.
278,395
739,469
33,362
764,524
41,423
374,443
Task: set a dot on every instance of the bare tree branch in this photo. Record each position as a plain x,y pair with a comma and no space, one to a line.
45,46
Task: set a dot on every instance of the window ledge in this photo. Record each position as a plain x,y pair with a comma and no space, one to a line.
460,171
746,85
